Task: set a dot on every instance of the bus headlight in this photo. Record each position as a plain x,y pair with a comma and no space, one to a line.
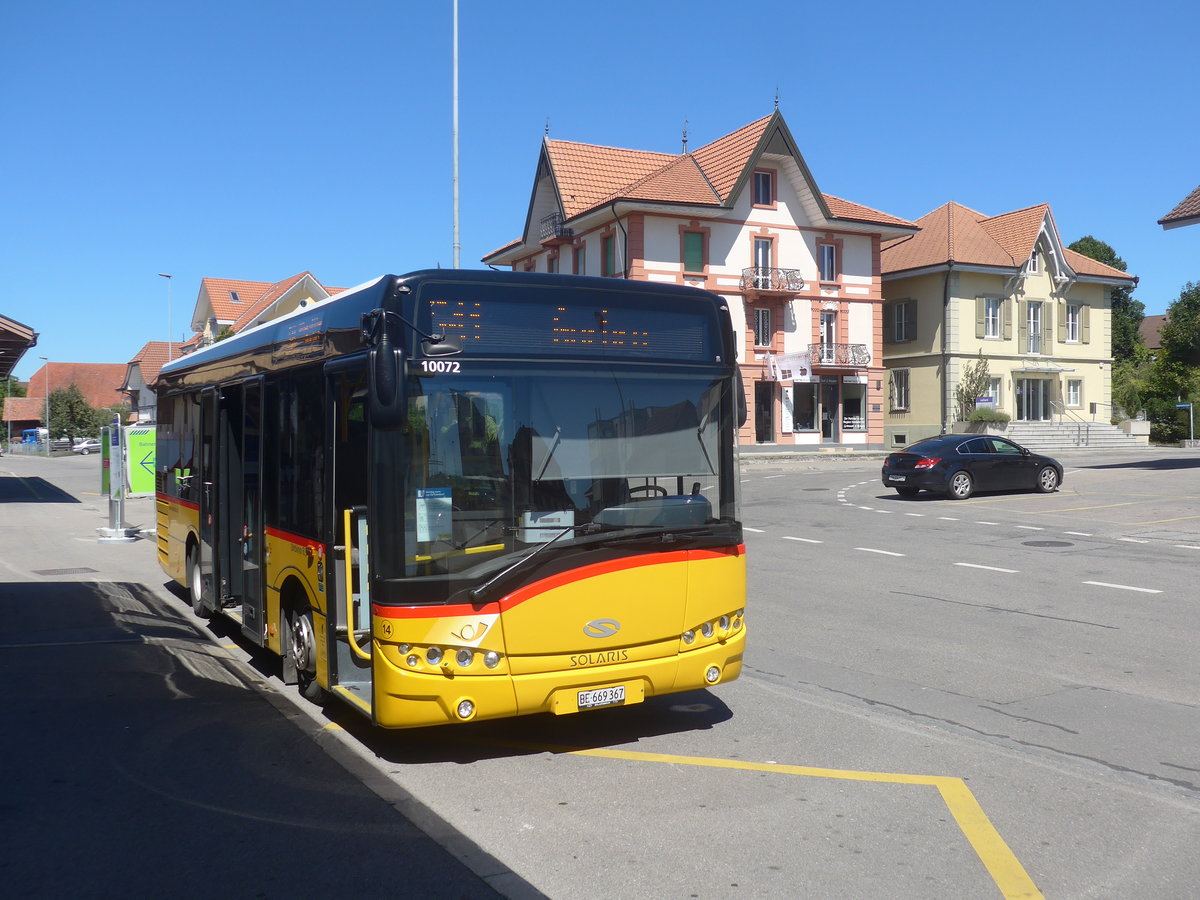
491,659
713,675
689,636
413,660
724,623
433,655
707,629
464,657
466,709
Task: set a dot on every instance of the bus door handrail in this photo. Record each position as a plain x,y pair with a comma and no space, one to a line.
351,635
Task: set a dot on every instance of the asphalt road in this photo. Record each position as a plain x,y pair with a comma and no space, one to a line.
989,698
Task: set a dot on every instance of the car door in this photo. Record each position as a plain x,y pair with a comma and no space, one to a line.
1013,468
976,456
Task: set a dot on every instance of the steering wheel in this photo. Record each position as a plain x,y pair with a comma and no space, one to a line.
649,489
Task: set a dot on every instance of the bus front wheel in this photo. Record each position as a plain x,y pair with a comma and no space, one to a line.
303,651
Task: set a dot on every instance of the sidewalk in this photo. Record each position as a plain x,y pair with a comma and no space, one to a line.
141,758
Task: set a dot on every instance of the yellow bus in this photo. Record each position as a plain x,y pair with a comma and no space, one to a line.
462,495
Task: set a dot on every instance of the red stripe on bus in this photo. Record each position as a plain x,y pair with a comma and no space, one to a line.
184,503
554,581
292,538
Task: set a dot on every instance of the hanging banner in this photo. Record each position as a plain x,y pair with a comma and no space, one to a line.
139,460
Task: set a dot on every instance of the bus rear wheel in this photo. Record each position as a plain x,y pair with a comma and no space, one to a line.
302,648
196,585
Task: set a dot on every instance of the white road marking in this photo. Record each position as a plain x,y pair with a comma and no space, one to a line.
755,530
987,523
917,515
873,550
1124,587
947,519
1032,527
788,537
1188,546
1079,533
1133,541
989,568
766,477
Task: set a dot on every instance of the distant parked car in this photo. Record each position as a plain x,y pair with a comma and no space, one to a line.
91,445
957,465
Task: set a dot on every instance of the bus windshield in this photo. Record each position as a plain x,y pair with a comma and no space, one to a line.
495,463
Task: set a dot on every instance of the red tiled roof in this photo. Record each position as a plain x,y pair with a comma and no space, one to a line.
100,383
153,356
269,296
24,409
220,292
1186,213
589,176
956,232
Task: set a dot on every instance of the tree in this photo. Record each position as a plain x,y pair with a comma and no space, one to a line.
976,381
1180,332
1127,313
70,415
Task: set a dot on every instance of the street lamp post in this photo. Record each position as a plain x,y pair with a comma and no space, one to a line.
47,361
170,338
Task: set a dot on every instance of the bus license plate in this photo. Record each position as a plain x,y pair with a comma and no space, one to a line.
609,696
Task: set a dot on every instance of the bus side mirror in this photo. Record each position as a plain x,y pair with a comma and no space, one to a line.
384,397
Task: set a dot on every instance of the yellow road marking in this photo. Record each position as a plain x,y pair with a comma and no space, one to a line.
1160,521
1004,867
1078,508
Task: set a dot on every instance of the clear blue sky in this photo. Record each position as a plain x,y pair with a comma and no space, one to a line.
255,140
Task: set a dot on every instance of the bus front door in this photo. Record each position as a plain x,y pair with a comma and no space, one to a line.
350,617
207,497
238,527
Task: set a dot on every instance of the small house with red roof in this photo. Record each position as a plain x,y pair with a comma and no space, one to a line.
237,305
141,373
1006,289
743,217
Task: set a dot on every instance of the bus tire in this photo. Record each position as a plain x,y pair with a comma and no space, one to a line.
302,648
196,585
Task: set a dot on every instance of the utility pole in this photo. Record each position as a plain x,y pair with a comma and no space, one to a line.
457,246
170,338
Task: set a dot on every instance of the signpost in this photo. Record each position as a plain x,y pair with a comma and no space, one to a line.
112,482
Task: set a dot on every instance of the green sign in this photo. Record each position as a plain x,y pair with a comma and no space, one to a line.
139,460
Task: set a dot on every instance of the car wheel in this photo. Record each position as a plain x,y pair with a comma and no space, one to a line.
908,491
1047,480
961,486
85,451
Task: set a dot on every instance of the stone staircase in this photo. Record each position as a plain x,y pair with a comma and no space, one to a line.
1045,437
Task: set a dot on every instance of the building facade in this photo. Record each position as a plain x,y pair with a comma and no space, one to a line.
1001,288
741,217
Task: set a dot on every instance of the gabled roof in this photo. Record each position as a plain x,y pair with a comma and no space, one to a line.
24,409
1186,213
588,177
150,359
15,339
959,234
100,383
253,298
1150,329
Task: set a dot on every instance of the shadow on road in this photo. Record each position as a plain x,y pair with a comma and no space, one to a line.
1150,464
16,489
137,744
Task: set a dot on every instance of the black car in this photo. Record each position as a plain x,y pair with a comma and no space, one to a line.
958,465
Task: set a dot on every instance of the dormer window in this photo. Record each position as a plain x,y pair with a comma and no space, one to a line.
1035,264
764,188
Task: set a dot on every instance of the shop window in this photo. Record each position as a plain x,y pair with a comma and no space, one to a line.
804,407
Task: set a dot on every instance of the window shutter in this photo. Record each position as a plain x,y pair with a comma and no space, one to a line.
1006,311
1085,323
1062,321
1048,318
910,327
889,316
1023,327
980,317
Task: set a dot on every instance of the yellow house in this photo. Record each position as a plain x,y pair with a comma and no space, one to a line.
1006,288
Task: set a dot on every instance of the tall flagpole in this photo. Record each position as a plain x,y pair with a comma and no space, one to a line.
457,245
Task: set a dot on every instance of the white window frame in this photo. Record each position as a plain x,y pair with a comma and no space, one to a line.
1035,264
1033,336
829,325
995,388
992,308
1074,392
763,179
902,324
1074,318
827,261
762,327
900,390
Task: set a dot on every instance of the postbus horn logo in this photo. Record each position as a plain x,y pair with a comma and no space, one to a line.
601,628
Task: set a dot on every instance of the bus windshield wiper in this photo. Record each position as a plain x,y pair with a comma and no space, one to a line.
589,528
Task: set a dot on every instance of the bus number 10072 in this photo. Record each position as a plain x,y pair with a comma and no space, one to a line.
440,366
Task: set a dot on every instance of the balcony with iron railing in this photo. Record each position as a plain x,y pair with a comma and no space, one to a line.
551,230
761,280
846,356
